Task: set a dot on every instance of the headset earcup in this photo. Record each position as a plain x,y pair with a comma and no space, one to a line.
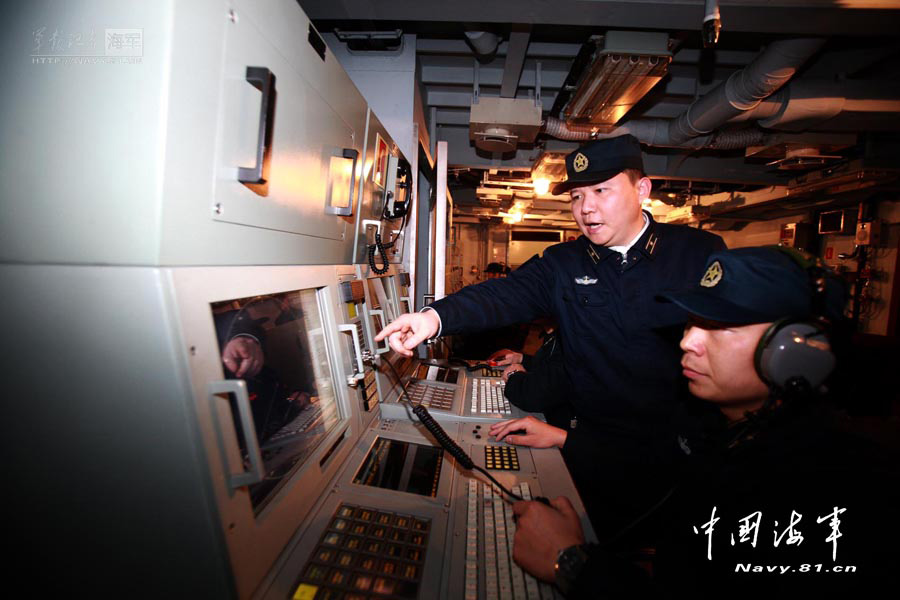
794,349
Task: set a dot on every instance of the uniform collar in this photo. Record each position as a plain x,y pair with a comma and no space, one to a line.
647,244
623,250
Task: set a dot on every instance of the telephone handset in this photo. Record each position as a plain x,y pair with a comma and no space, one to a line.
396,203
397,194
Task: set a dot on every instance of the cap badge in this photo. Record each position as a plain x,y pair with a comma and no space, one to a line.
713,275
580,162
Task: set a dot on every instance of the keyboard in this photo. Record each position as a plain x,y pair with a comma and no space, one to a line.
487,397
503,579
431,396
366,552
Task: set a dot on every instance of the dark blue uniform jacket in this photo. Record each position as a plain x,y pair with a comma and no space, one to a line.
620,344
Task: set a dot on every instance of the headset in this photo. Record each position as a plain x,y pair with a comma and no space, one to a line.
794,355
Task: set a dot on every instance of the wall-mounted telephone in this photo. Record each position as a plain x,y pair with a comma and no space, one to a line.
398,188
397,195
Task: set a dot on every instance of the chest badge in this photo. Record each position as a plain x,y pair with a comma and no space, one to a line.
585,280
712,276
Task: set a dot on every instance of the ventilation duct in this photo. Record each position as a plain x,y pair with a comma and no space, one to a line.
744,89
484,43
835,105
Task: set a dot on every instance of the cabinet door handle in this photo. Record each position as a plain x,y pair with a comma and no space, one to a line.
352,329
264,80
386,346
345,211
238,387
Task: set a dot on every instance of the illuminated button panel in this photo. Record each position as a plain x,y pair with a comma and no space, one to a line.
367,553
501,458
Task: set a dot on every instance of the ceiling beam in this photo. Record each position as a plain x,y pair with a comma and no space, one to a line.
753,16
535,49
515,58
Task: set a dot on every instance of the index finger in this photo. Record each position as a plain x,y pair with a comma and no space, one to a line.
243,368
392,327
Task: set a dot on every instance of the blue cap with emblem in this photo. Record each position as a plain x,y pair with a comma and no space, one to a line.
756,285
600,160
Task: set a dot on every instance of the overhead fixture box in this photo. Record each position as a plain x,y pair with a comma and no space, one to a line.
625,66
499,124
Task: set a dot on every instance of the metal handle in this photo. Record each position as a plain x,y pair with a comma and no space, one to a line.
238,387
347,210
354,333
426,297
387,346
264,80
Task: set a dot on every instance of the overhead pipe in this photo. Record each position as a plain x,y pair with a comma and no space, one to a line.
654,132
559,129
744,89
484,43
805,105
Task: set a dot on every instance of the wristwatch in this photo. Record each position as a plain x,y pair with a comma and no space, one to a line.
569,563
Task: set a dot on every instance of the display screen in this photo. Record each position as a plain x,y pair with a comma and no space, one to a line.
276,344
433,373
402,466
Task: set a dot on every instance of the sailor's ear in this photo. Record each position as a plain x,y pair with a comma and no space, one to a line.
644,185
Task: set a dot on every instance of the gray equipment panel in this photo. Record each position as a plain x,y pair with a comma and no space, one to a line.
257,534
147,174
443,574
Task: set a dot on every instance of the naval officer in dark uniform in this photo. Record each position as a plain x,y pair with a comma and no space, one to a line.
620,344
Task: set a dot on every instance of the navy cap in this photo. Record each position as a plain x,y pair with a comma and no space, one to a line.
600,160
754,285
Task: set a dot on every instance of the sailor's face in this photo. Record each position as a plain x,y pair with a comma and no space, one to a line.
609,213
718,364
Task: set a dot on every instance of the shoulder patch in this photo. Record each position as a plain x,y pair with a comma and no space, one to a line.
713,275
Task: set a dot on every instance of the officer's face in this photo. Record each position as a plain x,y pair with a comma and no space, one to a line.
609,213
718,363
